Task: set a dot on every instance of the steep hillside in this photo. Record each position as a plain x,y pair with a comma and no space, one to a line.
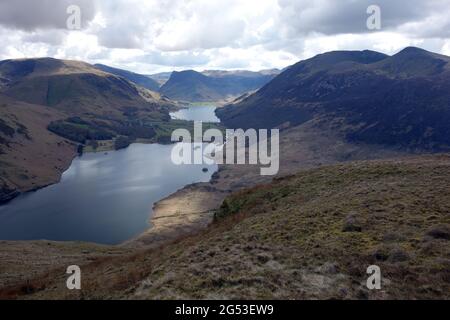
142,80
30,155
73,86
311,235
161,77
49,107
212,85
401,101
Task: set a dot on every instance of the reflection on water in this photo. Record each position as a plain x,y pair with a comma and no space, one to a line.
205,113
103,198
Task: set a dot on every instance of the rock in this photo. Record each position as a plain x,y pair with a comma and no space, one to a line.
328,268
263,258
381,254
274,265
205,170
398,255
351,224
7,194
439,232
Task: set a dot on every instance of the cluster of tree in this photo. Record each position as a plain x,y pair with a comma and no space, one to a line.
122,142
79,132
84,131
134,129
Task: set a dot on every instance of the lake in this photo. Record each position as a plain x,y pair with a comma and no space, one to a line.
201,112
105,198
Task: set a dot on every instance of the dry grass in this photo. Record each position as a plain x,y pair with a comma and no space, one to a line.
290,240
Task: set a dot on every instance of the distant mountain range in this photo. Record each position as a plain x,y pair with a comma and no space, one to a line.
213,85
193,86
161,77
399,101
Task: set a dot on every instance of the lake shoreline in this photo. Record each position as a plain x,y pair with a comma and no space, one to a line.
151,216
184,212
57,179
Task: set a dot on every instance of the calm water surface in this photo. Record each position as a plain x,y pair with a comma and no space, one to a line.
103,197
205,113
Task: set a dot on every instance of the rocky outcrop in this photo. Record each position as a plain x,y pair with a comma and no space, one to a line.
7,193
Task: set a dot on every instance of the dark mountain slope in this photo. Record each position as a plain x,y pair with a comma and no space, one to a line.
413,62
212,85
403,100
139,79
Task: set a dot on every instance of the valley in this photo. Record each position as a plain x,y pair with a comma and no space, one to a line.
219,87
363,180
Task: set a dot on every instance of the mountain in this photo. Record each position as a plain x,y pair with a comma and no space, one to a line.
142,80
398,101
161,77
240,73
49,107
210,86
72,86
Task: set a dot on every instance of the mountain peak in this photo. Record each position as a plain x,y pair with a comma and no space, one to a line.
190,85
365,57
413,51
413,61
385,98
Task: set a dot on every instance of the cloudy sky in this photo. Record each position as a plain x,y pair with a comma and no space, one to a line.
150,36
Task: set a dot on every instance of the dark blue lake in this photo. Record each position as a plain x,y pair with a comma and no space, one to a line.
102,198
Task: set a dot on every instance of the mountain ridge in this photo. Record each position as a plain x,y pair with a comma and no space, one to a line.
137,78
402,100
212,85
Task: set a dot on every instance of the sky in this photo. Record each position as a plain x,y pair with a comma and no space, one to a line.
150,36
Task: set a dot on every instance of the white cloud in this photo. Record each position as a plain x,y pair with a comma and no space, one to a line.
161,35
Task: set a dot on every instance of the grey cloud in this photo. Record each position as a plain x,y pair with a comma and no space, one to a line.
348,16
31,15
169,25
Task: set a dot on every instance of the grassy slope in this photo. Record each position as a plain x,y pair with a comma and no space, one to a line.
294,239
32,156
